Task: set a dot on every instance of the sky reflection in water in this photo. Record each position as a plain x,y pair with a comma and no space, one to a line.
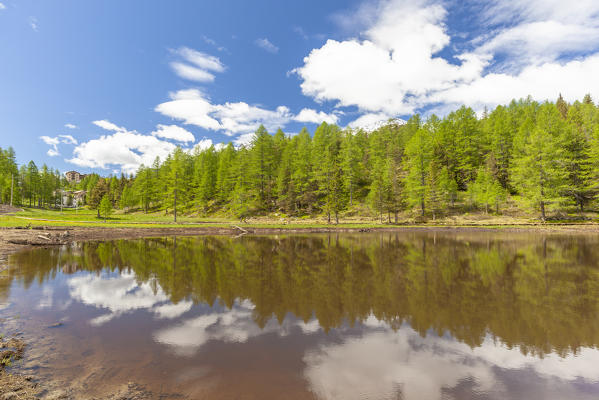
411,316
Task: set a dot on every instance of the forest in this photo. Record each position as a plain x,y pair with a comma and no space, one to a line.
541,158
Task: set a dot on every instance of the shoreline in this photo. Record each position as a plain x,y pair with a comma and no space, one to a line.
13,239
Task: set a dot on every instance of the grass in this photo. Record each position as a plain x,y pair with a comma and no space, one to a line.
88,218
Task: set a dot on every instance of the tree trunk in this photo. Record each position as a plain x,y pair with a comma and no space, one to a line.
543,211
486,208
336,218
329,216
395,217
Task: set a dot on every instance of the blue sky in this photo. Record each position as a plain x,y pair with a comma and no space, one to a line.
107,85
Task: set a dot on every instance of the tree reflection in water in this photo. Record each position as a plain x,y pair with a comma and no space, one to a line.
540,293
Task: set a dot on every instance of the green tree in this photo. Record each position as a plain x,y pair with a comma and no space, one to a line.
418,158
97,194
487,190
539,168
105,207
262,168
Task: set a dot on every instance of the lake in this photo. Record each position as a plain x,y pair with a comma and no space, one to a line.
408,315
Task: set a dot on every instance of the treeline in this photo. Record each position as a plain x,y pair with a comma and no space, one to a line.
28,185
539,155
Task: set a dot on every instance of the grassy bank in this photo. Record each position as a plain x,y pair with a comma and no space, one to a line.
88,218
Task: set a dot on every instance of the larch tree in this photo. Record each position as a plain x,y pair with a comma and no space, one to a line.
539,170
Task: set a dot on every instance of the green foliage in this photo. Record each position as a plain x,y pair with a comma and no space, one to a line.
105,207
419,152
486,190
546,154
539,169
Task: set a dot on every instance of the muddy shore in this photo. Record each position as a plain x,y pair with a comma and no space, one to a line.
14,239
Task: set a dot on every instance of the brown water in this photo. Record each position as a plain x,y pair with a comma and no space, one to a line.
372,316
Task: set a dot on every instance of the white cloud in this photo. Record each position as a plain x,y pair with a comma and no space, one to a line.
55,141
118,295
382,363
170,311
203,144
243,140
265,44
393,66
192,107
123,294
201,60
370,121
33,23
191,73
173,132
315,117
52,141
2,6
241,117
68,139
109,126
123,148
573,79
235,325
212,42
70,126
198,66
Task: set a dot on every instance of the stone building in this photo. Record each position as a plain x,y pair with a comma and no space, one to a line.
74,176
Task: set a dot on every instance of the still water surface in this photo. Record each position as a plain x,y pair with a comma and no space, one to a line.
414,316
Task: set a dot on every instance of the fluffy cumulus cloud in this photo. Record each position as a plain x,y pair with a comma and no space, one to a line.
70,126
370,121
204,144
127,149
405,59
232,118
196,65
173,132
316,117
